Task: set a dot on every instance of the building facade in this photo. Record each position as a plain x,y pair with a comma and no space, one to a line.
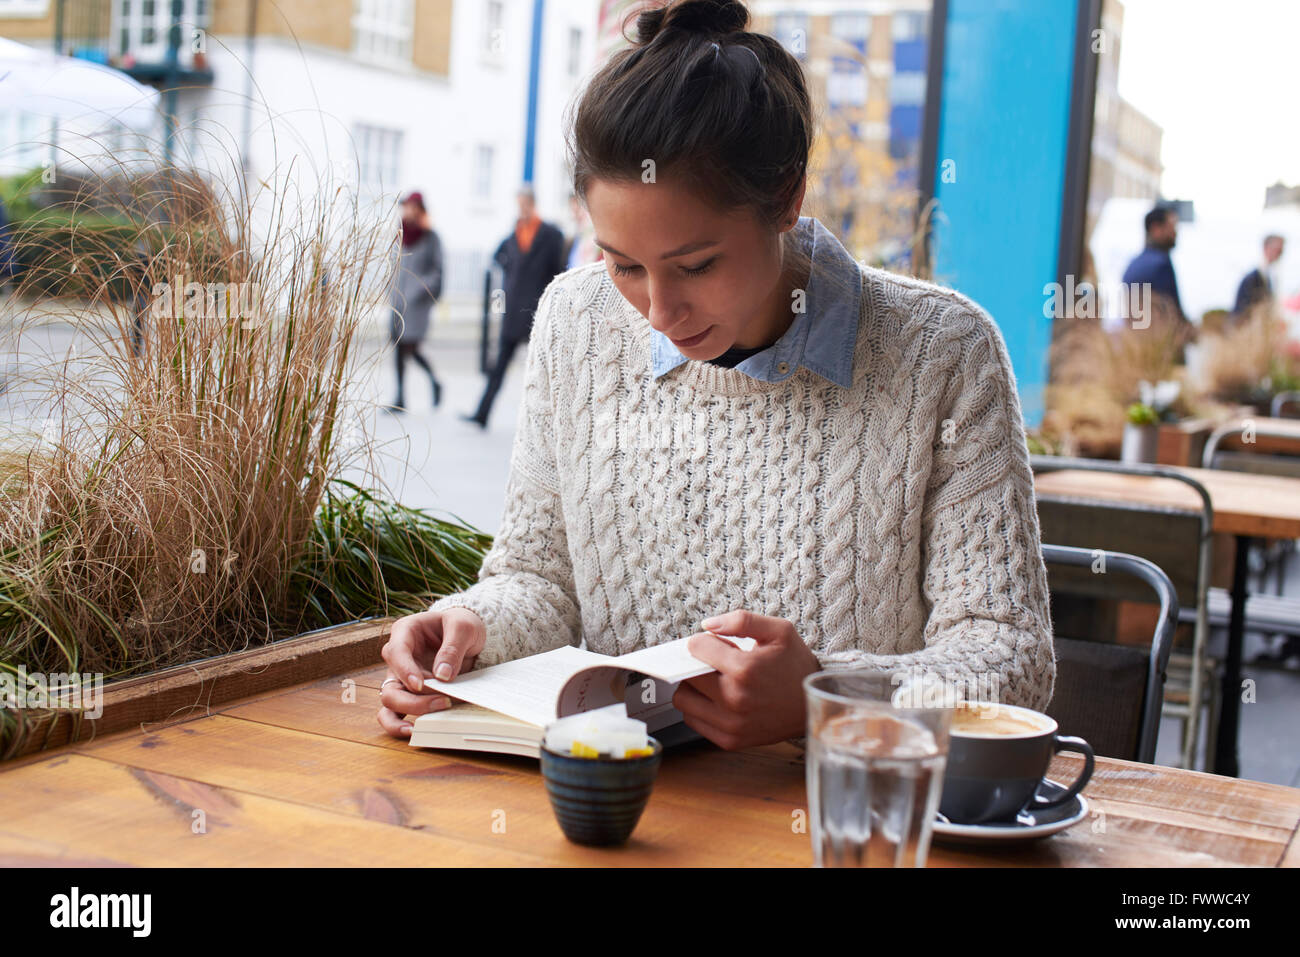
865,64
1125,142
386,96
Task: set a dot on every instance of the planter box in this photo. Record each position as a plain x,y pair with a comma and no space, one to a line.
1181,443
175,693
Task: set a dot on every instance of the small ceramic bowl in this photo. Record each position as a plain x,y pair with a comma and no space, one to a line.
599,800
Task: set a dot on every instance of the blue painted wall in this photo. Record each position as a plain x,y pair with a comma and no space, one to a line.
1004,120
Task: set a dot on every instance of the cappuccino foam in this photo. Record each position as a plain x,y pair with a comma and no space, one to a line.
991,720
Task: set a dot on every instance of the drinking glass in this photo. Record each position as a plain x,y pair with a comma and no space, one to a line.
875,769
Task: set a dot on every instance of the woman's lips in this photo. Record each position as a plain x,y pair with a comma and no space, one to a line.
693,340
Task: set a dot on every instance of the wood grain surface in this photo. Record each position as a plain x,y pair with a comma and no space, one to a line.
305,777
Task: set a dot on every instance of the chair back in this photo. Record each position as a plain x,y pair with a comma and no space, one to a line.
1111,695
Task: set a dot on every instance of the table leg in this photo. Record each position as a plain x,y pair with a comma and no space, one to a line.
1225,751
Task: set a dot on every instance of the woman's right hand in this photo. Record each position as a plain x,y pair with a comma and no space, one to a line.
438,644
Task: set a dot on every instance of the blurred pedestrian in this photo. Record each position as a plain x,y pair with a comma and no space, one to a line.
531,257
416,289
1153,268
1257,286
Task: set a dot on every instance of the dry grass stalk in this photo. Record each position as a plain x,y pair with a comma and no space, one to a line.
1241,360
161,508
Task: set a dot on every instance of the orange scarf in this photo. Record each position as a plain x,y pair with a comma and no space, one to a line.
525,230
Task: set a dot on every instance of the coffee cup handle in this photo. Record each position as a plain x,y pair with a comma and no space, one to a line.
1066,743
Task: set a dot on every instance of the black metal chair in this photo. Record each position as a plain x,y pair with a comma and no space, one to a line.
1285,405
1111,695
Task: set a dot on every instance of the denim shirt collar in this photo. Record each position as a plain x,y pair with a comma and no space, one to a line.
821,338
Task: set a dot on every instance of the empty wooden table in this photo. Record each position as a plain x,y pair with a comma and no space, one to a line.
304,776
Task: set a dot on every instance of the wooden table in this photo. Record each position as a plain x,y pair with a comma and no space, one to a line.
1246,505
305,776
1270,436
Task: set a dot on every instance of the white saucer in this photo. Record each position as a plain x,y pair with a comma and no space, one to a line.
1030,826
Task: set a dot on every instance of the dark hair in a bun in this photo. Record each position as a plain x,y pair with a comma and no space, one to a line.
713,17
724,110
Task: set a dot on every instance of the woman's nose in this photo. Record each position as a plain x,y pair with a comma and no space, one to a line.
666,310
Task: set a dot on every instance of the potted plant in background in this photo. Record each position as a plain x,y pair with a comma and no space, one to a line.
1141,432
1142,428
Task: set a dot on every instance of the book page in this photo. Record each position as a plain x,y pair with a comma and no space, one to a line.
671,661
646,679
526,688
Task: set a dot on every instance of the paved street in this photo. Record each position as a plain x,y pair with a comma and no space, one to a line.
428,457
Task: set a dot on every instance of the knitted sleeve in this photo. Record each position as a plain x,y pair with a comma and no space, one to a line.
983,577
525,592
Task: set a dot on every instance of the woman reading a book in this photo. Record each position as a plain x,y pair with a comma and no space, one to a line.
731,427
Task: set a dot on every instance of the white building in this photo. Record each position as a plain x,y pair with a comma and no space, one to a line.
387,95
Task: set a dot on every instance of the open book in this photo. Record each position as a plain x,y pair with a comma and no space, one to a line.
505,707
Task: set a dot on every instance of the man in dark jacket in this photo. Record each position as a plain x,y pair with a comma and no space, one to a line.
1154,269
531,257
1257,287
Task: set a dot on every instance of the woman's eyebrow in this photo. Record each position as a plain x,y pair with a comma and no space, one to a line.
680,251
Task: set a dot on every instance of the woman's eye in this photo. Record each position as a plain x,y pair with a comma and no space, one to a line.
697,271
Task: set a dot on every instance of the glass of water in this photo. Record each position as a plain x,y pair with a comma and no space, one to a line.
875,763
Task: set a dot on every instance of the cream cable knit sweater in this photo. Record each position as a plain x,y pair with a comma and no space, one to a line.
894,523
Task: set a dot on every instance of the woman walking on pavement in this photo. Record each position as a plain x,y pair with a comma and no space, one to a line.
417,287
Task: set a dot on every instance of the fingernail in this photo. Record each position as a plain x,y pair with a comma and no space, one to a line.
710,623
439,705
443,672
414,682
407,727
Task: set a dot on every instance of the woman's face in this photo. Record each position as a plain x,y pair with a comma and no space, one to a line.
706,281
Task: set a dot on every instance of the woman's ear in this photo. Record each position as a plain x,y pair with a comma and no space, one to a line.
792,213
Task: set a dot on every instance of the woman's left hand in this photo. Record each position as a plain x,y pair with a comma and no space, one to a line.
755,697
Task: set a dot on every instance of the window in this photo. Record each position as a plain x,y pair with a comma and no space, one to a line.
493,17
142,26
792,30
23,8
382,30
909,26
851,27
379,151
907,89
482,173
575,51
846,84
148,22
